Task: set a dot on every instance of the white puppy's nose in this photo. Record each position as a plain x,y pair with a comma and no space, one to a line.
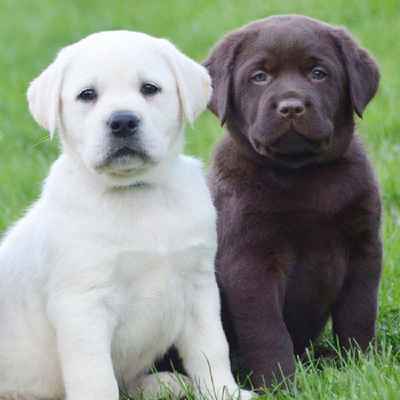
123,124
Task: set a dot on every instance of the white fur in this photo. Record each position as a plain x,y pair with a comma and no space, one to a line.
114,263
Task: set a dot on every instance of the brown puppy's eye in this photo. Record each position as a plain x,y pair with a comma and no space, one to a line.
87,95
318,74
259,77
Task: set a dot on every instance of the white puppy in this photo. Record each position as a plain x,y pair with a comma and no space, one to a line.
115,262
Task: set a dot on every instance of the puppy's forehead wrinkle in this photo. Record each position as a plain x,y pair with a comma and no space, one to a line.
121,56
118,85
283,43
271,54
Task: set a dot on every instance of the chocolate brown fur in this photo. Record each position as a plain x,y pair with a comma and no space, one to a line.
298,205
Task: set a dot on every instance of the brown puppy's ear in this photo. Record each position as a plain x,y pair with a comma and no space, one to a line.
362,70
220,65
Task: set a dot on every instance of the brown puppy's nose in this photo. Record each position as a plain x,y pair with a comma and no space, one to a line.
291,108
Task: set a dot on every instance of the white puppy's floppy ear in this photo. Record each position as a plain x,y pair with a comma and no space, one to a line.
193,81
44,94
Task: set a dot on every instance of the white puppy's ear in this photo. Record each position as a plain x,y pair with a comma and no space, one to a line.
193,81
44,94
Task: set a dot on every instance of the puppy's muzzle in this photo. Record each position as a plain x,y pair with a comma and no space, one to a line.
294,113
124,124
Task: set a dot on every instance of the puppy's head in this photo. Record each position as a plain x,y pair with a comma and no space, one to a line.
119,100
287,87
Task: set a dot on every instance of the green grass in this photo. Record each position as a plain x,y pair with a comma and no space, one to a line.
31,31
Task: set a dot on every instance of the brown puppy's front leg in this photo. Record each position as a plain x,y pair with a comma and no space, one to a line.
354,315
254,302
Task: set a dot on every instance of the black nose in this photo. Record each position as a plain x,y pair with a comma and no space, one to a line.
291,108
123,123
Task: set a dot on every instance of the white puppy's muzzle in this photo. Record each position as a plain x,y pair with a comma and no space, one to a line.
125,150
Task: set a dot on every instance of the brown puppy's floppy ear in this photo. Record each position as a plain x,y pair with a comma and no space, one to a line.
362,70
220,64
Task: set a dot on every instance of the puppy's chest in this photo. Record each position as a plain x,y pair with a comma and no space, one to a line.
156,300
156,226
319,255
155,256
152,313
153,269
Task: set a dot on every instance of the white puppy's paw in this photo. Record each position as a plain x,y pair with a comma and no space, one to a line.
247,394
235,393
160,385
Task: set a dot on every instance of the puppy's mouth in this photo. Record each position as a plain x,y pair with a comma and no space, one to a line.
293,149
124,161
126,153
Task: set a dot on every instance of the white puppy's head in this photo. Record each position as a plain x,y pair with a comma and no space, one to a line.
119,100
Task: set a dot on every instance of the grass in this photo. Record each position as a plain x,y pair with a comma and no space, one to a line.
31,32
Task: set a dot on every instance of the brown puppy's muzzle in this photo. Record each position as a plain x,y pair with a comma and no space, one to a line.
291,126
298,127
292,111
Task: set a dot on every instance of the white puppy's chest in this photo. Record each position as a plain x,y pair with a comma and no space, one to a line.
152,314
149,254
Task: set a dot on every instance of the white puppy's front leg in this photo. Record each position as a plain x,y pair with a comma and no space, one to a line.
84,332
203,345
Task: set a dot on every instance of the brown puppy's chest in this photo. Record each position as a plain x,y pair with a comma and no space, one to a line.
312,252
305,227
320,252
315,277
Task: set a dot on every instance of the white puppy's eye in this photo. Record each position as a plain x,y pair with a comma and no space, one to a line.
87,95
149,89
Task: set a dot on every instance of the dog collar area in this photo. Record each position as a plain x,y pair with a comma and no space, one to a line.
133,186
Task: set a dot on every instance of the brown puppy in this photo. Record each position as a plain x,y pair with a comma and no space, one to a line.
298,205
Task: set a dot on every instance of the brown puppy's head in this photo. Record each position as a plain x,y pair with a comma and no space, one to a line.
287,87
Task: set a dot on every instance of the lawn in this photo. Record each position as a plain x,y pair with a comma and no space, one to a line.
31,32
